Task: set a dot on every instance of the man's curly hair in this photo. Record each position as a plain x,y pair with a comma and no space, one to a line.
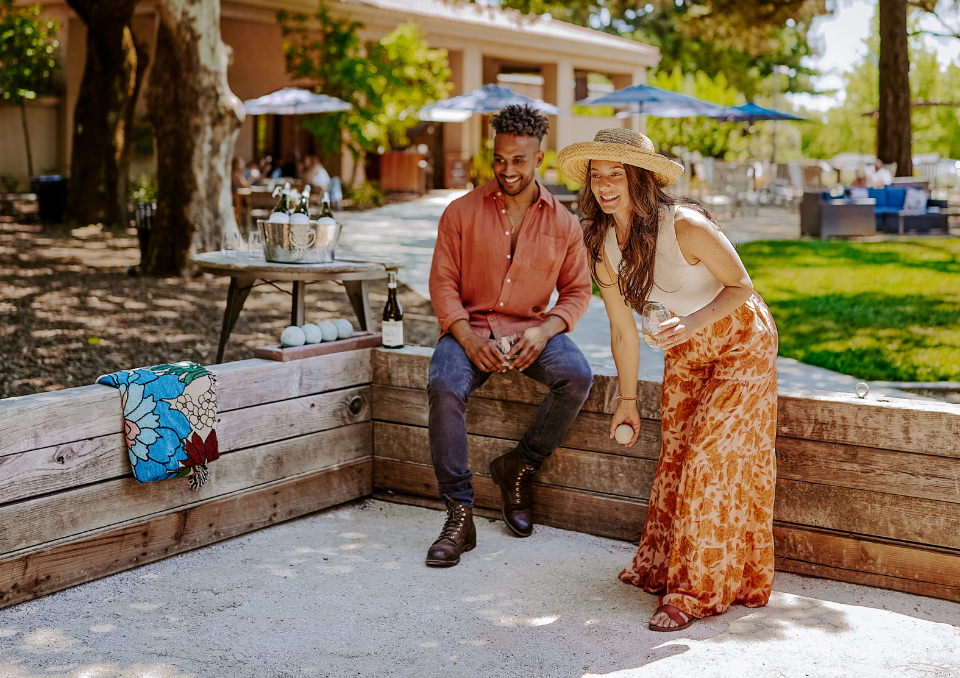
521,121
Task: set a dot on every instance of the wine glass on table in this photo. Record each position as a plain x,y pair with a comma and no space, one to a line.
653,315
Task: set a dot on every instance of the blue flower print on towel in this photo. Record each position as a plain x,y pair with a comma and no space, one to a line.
154,433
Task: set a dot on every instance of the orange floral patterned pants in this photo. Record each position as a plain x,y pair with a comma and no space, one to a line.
708,539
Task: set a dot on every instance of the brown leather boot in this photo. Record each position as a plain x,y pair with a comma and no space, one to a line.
458,536
515,480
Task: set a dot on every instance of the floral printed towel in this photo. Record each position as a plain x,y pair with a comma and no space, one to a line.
169,418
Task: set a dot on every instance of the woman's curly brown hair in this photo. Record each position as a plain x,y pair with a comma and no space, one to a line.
521,120
640,249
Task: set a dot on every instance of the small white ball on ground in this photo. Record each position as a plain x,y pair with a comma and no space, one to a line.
312,333
344,328
623,434
328,330
292,336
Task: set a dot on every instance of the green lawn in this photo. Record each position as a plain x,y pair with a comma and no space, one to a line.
882,311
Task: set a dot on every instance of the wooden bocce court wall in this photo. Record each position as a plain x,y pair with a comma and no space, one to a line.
868,491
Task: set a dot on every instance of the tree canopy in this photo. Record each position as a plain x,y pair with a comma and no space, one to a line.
850,127
744,39
387,81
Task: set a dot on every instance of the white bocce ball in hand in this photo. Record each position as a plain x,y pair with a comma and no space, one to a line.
312,333
344,328
328,330
623,434
292,336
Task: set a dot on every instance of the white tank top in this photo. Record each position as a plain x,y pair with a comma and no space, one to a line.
680,286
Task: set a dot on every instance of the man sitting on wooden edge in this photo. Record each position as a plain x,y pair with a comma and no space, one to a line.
501,251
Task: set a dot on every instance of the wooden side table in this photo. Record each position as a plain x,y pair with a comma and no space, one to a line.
244,271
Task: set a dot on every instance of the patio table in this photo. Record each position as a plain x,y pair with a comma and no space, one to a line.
244,271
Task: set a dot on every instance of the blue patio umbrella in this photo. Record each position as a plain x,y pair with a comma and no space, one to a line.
487,99
751,112
294,101
647,100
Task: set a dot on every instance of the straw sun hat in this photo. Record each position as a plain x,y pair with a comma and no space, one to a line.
619,145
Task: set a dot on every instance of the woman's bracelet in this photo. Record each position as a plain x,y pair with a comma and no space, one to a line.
626,398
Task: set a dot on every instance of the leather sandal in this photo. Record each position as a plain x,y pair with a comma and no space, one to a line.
682,619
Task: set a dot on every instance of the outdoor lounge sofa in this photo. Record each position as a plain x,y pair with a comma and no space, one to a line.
868,211
892,217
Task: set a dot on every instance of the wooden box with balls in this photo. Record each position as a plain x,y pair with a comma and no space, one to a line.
312,340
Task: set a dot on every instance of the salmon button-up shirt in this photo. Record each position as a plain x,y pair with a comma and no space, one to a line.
474,277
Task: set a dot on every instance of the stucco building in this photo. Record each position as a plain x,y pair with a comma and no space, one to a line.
539,56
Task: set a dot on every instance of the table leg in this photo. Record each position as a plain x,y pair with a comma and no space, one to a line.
298,311
358,292
239,291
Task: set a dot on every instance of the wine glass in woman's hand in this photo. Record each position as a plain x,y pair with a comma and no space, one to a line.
654,313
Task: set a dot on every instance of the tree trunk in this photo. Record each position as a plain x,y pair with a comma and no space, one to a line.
26,137
123,183
893,121
105,102
196,119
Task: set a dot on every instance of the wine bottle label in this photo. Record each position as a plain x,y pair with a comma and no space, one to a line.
392,333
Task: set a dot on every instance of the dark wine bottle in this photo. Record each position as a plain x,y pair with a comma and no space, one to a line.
281,211
325,210
301,213
392,316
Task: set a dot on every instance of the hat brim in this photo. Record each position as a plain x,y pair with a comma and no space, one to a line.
574,161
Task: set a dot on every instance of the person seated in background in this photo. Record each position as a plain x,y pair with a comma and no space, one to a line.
238,178
265,165
313,173
881,175
861,180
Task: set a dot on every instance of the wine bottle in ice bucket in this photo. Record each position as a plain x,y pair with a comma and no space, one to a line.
325,210
281,211
301,214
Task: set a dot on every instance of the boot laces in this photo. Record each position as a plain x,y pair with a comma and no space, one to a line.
524,485
454,523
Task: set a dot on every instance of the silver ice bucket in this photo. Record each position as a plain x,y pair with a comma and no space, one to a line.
306,243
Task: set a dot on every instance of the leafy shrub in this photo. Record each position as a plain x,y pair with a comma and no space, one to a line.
144,189
367,193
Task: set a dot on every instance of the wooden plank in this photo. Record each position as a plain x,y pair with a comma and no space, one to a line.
50,517
867,468
923,426
408,368
578,469
53,469
296,417
919,588
926,427
882,557
254,382
56,417
589,512
48,419
56,468
352,343
921,521
54,567
504,419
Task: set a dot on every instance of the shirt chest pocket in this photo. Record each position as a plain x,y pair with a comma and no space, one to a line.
547,253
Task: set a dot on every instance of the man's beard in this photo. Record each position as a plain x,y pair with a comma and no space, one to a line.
517,188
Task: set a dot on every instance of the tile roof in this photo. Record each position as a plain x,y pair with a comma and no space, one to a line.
506,19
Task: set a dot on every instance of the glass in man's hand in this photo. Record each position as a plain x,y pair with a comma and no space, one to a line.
653,315
507,342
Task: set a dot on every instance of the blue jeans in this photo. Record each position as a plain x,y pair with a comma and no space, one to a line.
453,377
